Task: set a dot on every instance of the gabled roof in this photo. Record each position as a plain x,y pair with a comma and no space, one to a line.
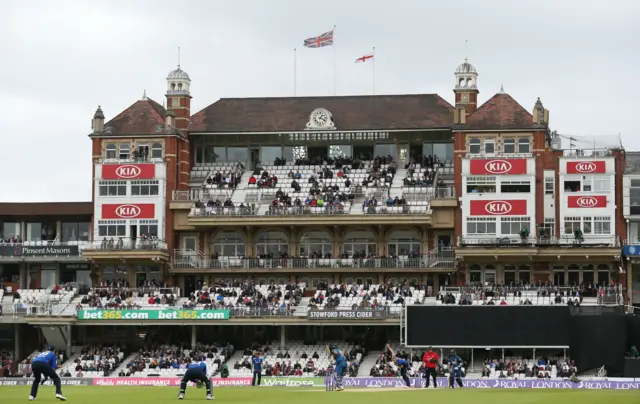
500,112
144,117
289,114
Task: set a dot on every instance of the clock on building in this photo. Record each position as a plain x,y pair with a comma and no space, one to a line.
465,97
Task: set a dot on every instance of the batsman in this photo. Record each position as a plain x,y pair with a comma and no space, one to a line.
341,365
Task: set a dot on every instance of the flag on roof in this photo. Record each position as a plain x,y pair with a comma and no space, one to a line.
321,41
364,58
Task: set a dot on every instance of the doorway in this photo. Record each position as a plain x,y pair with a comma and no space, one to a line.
141,278
254,158
133,232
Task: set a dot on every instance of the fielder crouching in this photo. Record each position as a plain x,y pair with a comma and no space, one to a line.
196,372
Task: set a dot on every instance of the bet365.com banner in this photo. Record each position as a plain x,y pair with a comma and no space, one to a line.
94,315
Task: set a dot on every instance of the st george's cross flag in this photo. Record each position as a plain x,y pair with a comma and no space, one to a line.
365,58
321,41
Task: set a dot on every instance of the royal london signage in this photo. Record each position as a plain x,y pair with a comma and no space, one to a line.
20,250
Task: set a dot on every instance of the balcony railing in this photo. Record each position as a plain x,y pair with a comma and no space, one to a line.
126,244
185,261
548,241
136,160
444,192
498,154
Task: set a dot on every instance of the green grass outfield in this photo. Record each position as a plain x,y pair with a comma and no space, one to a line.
275,395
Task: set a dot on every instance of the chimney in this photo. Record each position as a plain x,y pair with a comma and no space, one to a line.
460,115
540,115
97,124
169,118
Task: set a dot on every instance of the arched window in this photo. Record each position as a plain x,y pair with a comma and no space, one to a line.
228,243
403,242
461,82
316,244
359,244
179,86
475,274
173,86
272,243
156,150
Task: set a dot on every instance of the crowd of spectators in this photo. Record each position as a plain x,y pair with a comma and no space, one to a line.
116,294
10,239
226,179
6,362
150,361
217,207
368,296
542,368
96,358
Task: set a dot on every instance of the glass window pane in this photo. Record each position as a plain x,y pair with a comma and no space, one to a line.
385,150
238,154
219,155
34,231
427,149
269,154
340,151
441,150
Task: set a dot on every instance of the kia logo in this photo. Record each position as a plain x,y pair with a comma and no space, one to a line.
587,202
128,171
585,167
498,208
498,167
128,211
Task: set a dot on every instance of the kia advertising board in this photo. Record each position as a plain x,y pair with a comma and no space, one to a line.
128,211
498,166
128,171
498,208
597,201
586,167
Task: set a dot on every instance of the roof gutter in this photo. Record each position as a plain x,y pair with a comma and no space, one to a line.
323,131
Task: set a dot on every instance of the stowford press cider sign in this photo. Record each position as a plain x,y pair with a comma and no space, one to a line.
153,315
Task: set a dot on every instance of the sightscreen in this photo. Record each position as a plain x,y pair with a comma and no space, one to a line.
487,326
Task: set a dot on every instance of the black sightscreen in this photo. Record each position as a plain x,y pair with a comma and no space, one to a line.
488,326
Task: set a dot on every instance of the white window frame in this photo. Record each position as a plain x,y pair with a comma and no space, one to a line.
520,222
524,182
587,225
145,187
521,142
104,226
156,151
602,225
509,142
150,224
112,188
550,224
601,184
573,220
475,142
111,151
482,181
549,185
124,151
485,221
486,143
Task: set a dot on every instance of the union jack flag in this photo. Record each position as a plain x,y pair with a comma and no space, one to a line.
321,41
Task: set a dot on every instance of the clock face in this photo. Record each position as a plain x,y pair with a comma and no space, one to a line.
320,118
465,97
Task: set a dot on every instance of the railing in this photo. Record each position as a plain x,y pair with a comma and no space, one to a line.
136,160
126,244
140,291
444,192
190,195
441,257
546,241
185,261
498,154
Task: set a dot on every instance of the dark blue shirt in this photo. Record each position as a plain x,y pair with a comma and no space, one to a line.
337,355
257,363
198,365
402,363
47,357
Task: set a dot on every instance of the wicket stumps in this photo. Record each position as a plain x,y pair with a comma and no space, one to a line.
330,382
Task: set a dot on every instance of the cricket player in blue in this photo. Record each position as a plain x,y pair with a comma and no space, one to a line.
45,364
256,362
196,372
455,369
341,365
403,366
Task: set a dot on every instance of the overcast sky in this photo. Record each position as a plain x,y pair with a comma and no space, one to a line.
60,59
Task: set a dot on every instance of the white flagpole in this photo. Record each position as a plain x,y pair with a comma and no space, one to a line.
334,60
295,72
373,72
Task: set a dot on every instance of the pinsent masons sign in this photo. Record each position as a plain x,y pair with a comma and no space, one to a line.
20,250
160,315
